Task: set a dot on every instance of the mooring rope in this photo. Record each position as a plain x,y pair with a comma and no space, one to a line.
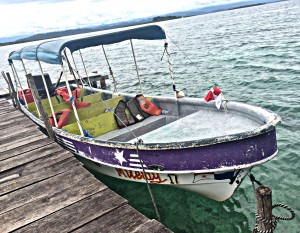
147,182
275,218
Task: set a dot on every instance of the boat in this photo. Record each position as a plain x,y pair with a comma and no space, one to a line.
204,145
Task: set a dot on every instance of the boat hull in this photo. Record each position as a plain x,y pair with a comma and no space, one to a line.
237,154
218,186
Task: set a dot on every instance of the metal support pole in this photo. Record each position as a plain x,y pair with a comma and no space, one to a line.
77,70
48,95
74,107
17,78
171,69
110,70
137,70
86,73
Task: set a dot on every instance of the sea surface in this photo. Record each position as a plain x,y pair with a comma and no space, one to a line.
253,54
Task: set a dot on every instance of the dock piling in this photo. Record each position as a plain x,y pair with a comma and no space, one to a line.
41,110
264,209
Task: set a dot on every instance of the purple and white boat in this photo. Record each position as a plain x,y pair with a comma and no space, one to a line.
191,144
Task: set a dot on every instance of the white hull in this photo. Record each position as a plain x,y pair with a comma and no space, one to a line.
205,184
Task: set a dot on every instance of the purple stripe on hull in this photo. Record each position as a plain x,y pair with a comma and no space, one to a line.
233,153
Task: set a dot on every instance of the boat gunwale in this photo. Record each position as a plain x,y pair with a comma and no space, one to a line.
170,145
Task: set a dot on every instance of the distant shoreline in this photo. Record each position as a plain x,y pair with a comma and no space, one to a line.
57,34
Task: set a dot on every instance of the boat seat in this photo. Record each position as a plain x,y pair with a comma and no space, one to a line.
59,104
125,134
38,80
95,125
94,109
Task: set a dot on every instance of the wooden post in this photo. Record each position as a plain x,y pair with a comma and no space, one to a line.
9,88
39,105
264,207
14,93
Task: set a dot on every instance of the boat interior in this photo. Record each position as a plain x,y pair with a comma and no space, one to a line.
184,119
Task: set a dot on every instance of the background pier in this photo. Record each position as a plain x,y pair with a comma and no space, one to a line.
43,188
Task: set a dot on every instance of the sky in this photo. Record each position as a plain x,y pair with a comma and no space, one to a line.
21,17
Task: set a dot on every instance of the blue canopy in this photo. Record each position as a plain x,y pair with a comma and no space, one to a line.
50,51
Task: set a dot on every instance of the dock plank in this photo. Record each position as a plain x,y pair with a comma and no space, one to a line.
77,214
44,188
20,142
45,203
29,156
24,148
36,191
115,221
23,180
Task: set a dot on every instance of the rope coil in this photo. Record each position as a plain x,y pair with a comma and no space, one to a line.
275,218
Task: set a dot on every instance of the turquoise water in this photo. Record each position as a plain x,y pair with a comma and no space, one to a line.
253,54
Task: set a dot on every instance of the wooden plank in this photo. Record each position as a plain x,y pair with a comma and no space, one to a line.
78,214
152,226
123,219
29,156
4,103
4,92
39,164
20,180
24,148
16,114
13,121
36,191
63,190
21,142
11,132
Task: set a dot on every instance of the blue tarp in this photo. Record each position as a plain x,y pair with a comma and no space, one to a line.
50,51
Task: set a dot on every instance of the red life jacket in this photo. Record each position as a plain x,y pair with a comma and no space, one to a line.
63,92
62,118
28,96
147,106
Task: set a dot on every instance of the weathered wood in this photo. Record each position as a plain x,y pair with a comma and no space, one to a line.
152,226
77,214
20,142
29,156
39,106
73,178
14,131
23,180
63,190
14,93
123,219
264,206
43,188
24,148
13,122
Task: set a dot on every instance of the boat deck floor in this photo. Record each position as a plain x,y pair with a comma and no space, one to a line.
202,124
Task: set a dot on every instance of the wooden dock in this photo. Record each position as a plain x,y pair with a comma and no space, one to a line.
4,92
43,188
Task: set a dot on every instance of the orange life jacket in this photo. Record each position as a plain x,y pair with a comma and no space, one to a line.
62,118
63,92
147,106
28,96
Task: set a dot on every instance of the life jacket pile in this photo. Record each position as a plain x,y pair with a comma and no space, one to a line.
135,110
63,92
62,118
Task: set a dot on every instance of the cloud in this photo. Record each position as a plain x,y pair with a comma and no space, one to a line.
32,17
